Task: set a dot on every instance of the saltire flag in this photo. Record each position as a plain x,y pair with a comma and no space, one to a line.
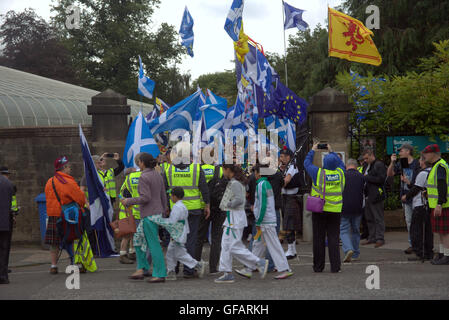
186,31
214,114
152,115
233,22
161,105
293,18
349,39
101,210
145,86
284,103
286,130
139,139
257,68
198,130
179,116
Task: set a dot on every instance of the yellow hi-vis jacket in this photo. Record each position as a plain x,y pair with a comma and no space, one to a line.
335,184
432,189
188,179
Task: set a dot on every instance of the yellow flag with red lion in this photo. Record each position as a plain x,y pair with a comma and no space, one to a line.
349,39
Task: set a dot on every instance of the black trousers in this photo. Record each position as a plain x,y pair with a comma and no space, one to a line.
365,232
421,234
326,224
216,220
5,247
192,238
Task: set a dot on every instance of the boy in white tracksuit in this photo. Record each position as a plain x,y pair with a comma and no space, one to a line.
176,250
265,214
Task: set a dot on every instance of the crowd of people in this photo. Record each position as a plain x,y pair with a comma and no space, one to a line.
178,207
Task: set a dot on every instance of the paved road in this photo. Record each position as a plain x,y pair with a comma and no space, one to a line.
399,279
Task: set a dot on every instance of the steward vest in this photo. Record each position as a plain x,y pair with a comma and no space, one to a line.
14,207
131,182
83,253
108,180
335,184
360,169
432,189
188,179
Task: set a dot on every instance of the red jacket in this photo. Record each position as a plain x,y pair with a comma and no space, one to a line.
68,192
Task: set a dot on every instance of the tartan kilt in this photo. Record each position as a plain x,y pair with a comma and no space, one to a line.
440,224
291,213
51,234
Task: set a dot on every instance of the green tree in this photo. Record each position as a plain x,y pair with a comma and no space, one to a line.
111,36
32,45
221,83
416,102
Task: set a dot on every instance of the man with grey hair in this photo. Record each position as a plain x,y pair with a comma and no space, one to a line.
352,211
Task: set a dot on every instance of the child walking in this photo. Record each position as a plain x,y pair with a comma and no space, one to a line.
176,250
233,203
265,215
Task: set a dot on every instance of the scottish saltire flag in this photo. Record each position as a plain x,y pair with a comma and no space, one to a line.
186,31
145,86
293,18
213,117
179,116
101,210
161,105
233,22
139,140
152,115
286,130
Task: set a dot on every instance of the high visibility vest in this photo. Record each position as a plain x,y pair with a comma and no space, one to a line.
432,189
83,253
335,184
164,166
188,179
360,169
131,182
108,179
14,207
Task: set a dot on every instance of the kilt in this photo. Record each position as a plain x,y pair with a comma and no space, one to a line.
440,224
291,213
51,234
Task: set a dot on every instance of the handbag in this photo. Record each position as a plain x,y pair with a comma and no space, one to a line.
316,204
125,226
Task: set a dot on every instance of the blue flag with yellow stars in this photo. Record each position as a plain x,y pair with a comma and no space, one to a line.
283,103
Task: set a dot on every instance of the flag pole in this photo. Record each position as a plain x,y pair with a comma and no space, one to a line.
285,47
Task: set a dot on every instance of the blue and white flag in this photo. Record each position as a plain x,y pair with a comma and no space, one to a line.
214,115
293,18
145,86
152,115
179,116
233,22
286,130
186,31
139,140
101,210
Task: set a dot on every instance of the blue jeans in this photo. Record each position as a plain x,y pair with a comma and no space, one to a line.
350,234
267,254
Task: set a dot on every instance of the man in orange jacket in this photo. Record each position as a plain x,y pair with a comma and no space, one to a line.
68,191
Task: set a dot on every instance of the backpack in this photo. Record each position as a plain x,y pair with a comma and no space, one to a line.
217,187
70,224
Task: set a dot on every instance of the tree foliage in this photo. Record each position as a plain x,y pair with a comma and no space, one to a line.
32,45
221,83
416,102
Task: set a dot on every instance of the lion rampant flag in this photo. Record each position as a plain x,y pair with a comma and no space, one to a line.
349,39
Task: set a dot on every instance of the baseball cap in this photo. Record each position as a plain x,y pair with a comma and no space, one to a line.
431,148
61,162
4,170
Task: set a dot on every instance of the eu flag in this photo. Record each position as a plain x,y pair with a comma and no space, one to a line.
286,104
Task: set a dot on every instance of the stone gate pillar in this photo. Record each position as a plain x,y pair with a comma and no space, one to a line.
329,120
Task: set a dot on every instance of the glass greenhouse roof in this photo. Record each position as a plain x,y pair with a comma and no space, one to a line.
28,100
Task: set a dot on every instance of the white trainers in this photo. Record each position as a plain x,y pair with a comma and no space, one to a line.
262,266
225,278
284,275
348,256
245,272
201,268
171,276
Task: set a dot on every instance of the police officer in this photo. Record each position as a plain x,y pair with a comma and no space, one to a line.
328,183
183,173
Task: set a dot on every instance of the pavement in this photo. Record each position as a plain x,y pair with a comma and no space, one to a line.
399,279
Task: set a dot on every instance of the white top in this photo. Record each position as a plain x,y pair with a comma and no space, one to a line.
421,180
264,195
179,212
292,170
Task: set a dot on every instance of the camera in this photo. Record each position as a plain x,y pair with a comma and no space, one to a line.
322,146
